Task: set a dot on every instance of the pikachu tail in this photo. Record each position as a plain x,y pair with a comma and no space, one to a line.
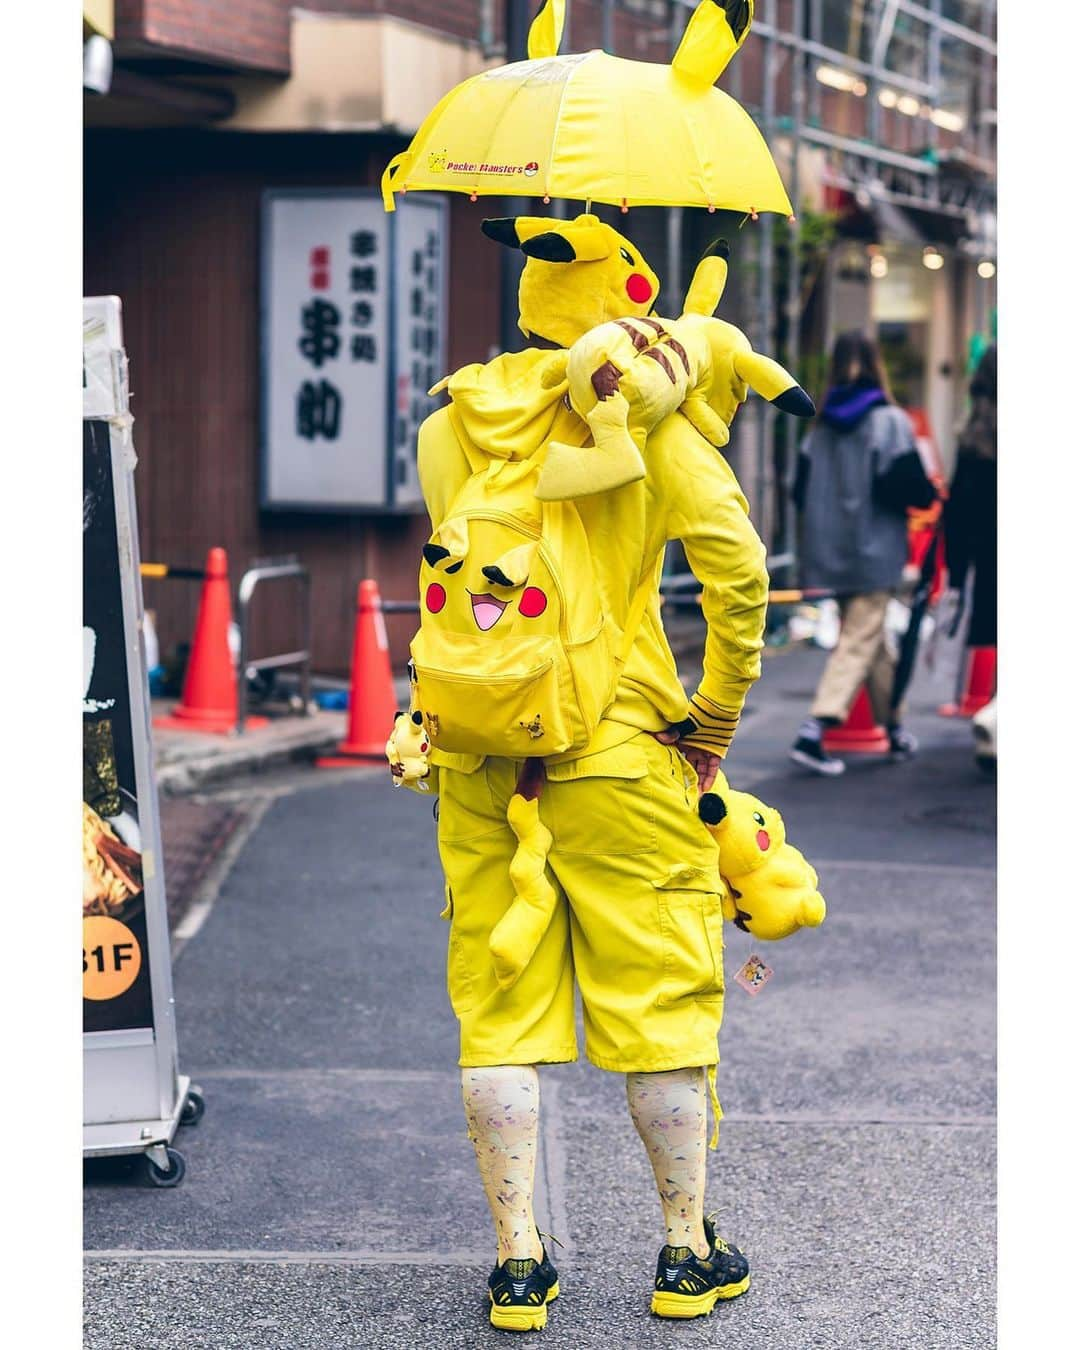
516,936
710,277
716,31
769,379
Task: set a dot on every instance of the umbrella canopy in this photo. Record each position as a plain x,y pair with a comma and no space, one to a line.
594,127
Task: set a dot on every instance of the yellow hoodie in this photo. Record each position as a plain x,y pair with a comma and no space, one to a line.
689,493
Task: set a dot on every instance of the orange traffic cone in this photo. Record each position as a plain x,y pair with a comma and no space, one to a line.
860,734
208,698
980,683
371,687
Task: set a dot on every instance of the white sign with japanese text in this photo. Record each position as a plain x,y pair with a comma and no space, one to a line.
334,437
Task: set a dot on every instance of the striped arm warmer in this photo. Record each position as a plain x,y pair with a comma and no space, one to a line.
713,726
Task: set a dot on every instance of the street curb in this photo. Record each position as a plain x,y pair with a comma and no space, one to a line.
239,757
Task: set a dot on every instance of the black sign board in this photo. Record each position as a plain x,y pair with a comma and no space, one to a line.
116,962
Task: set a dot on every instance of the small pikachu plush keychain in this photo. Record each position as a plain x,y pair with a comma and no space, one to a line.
407,750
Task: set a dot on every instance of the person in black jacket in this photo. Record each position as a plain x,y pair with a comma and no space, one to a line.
859,471
971,508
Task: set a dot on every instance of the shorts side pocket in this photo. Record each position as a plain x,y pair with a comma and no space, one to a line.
459,978
691,933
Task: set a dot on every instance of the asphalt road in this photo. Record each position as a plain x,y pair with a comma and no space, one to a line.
331,1199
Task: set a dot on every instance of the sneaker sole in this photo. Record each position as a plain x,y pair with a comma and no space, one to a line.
665,1304
517,1318
831,770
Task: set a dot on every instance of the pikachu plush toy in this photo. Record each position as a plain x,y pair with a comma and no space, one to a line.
773,888
407,750
626,375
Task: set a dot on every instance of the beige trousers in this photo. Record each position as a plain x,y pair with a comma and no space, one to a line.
860,657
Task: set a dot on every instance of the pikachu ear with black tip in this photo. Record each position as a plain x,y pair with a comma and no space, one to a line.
503,229
795,401
550,247
711,808
769,379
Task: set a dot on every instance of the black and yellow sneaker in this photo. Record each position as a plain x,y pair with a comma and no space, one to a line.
520,1292
687,1286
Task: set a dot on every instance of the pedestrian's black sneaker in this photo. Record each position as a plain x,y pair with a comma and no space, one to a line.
811,754
687,1286
902,744
520,1292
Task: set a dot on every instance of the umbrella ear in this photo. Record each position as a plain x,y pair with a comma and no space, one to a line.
546,31
503,229
714,34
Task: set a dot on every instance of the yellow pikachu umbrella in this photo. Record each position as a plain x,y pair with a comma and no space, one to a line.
594,127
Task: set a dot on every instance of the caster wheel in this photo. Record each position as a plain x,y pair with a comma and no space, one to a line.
175,1174
194,1108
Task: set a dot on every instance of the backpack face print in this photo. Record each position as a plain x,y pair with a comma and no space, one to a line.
513,656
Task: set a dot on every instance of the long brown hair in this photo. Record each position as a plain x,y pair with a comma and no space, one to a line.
857,359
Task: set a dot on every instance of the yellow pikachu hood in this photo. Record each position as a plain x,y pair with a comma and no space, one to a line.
512,405
577,274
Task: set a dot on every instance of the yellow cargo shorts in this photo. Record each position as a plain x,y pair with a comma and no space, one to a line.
637,923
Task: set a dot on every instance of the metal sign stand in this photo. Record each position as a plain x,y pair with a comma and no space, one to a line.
134,1097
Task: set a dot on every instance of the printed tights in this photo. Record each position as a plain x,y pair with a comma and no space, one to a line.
502,1108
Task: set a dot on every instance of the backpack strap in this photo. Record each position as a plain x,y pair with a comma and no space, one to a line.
634,618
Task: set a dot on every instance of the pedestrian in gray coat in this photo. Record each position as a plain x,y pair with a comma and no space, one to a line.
859,471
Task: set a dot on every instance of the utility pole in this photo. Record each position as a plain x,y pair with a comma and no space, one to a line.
607,26
518,19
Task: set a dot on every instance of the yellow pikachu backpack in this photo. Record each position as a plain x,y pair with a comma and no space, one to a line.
514,656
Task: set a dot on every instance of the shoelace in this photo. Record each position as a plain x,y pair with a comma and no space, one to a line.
541,1234
718,1242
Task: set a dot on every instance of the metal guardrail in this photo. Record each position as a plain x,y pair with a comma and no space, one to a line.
160,570
302,657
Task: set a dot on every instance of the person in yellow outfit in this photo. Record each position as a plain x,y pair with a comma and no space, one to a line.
636,910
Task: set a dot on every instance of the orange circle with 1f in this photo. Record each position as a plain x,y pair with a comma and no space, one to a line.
111,959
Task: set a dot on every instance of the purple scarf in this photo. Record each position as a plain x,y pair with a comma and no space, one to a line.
847,404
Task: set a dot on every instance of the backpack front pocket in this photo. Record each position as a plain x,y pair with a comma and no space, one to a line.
491,698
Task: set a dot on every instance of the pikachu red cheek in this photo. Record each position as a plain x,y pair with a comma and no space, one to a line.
435,597
638,288
533,602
